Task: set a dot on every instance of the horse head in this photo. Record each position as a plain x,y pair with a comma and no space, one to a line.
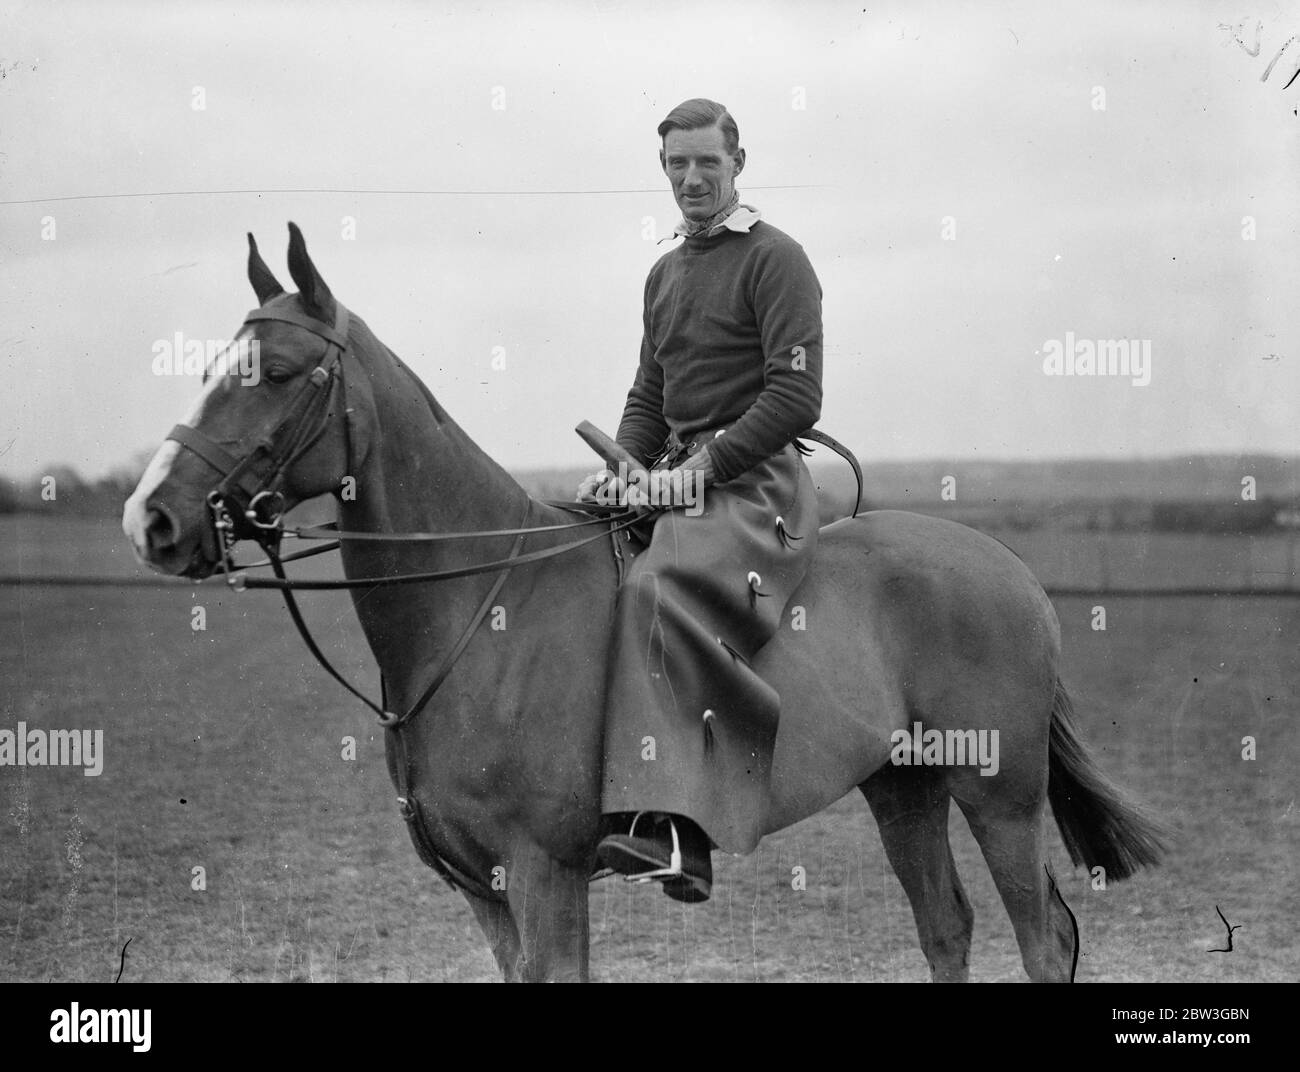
254,445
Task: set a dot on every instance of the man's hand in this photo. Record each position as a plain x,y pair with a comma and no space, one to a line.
608,489
646,492
701,462
587,489
673,489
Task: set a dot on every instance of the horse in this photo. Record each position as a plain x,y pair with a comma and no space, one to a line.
908,620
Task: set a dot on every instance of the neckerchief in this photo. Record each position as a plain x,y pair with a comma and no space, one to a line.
694,228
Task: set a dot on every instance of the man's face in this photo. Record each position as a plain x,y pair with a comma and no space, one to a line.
702,172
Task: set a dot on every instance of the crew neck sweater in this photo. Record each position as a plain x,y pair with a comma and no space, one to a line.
732,332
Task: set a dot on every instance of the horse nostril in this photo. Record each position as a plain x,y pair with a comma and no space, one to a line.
160,529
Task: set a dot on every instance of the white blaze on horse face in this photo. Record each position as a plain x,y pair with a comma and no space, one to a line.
224,374
135,514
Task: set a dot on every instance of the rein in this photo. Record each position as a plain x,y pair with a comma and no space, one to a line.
251,485
236,506
239,581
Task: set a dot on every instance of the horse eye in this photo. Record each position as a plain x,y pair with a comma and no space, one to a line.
279,374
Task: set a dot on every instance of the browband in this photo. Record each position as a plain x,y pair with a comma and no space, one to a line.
338,334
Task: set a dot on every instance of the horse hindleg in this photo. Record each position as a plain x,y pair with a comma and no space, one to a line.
498,927
548,902
911,808
1011,839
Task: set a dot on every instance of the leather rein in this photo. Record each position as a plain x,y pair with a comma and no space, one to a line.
251,486
248,503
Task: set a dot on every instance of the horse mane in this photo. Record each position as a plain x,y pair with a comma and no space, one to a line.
440,415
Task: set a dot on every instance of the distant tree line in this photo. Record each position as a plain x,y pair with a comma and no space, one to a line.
1127,514
1263,515
64,491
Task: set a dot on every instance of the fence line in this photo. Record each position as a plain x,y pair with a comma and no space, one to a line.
1055,591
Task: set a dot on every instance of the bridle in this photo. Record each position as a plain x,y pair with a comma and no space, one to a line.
248,503
253,484
247,485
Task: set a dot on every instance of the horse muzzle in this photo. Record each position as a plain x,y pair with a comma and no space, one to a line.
166,543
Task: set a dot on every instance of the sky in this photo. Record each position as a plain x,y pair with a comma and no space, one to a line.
971,182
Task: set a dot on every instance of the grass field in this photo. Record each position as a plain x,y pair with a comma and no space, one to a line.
222,750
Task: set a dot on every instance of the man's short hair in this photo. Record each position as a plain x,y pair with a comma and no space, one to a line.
699,113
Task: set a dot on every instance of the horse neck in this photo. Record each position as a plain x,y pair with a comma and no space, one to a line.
421,473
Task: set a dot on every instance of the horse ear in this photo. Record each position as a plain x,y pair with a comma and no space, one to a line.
265,285
312,291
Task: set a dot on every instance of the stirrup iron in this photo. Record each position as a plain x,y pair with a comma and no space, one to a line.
674,868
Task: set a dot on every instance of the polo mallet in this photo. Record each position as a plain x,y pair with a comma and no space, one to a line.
613,455
608,450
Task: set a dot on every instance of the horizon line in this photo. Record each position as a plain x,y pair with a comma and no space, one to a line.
825,455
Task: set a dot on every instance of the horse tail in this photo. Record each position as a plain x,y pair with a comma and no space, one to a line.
1101,827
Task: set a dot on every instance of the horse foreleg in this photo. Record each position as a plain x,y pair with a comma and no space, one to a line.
548,902
911,809
499,929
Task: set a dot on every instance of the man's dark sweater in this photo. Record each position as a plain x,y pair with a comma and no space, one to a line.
732,332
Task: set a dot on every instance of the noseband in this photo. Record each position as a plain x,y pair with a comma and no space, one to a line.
248,502
251,486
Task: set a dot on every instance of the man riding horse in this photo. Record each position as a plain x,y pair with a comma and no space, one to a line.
732,344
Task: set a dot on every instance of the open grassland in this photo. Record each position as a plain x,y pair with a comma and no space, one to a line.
222,750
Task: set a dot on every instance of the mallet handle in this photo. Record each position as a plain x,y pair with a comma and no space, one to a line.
610,452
